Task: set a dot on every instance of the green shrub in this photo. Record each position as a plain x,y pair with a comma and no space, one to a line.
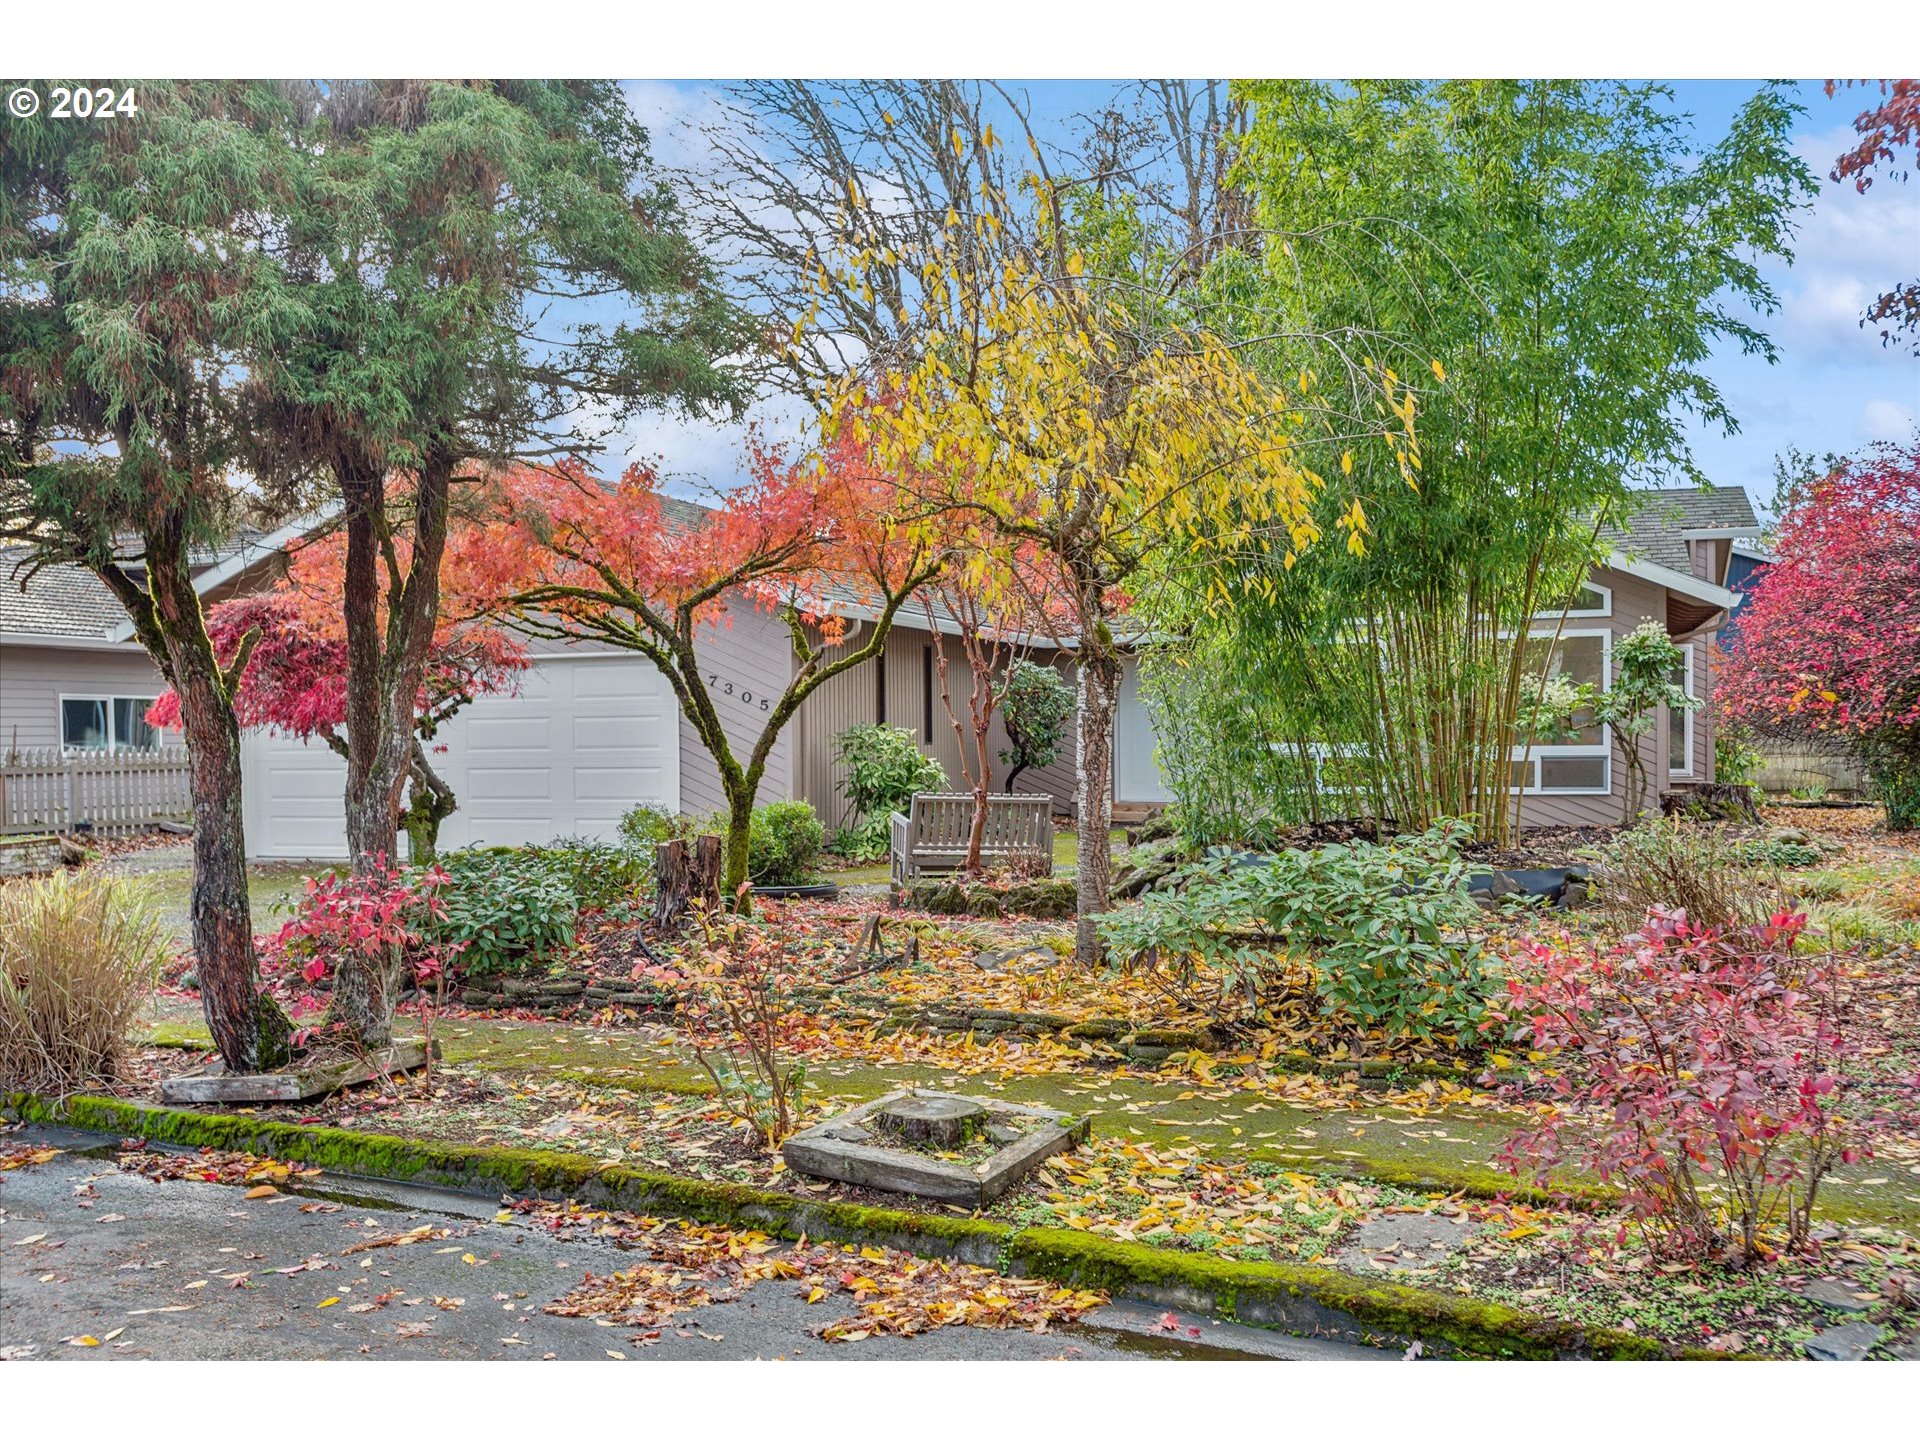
1383,932
509,909
78,957
783,841
1673,864
1782,854
602,875
646,826
885,770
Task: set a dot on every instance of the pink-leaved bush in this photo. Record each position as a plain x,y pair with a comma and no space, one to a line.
365,919
1703,1073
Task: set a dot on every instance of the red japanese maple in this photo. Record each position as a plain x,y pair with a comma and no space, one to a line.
295,680
817,542
1829,639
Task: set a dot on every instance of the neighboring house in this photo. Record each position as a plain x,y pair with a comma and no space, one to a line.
595,731
70,675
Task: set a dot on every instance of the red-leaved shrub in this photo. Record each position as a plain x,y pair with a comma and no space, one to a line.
385,920
1703,1072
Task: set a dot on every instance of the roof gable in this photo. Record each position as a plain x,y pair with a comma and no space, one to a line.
1656,532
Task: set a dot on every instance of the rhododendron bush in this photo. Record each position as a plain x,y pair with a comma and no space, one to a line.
1704,1073
1829,637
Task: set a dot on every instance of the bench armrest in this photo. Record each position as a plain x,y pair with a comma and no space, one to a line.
901,832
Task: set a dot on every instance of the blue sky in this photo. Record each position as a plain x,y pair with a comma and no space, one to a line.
1833,387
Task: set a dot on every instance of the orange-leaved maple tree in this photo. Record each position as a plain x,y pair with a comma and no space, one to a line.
295,680
816,542
1828,642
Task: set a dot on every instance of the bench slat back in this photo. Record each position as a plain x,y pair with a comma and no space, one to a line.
1015,823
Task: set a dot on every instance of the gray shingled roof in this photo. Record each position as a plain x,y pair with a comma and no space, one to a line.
59,600
1655,531
70,600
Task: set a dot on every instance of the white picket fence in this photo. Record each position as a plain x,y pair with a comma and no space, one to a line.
109,794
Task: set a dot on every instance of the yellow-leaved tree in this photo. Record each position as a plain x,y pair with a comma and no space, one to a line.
1065,394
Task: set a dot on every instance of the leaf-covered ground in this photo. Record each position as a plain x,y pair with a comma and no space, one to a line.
1243,1151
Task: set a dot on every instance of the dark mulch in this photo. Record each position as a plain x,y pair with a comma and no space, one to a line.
1547,847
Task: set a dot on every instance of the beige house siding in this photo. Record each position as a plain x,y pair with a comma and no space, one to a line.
745,659
34,677
1634,601
854,699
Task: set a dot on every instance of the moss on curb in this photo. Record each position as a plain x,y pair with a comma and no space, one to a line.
1302,1298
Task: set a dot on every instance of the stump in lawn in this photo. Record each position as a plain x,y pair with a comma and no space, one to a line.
944,1122
683,874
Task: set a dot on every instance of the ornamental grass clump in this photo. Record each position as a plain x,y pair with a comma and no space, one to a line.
1675,864
78,956
1706,1073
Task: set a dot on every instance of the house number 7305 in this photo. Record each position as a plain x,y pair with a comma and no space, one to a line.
745,697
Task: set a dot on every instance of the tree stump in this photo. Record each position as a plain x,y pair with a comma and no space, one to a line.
682,875
942,1121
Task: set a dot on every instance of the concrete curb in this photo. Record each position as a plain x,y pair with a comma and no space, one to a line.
1300,1299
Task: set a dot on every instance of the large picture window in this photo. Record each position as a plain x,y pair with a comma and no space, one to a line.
107,722
1582,764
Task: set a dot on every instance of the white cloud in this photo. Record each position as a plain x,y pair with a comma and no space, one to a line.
1852,247
1886,420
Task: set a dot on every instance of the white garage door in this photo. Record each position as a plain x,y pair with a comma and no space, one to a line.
585,740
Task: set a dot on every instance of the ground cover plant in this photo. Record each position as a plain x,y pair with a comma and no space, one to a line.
1384,936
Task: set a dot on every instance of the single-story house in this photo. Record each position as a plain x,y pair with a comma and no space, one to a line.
594,731
1669,563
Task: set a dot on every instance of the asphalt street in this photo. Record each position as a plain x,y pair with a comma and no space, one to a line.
188,1270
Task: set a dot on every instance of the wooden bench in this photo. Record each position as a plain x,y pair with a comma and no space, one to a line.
933,835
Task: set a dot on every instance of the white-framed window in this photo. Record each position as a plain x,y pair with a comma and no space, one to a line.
1582,765
107,723
1588,602
1680,722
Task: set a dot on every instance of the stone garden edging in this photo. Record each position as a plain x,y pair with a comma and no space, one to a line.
1300,1298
